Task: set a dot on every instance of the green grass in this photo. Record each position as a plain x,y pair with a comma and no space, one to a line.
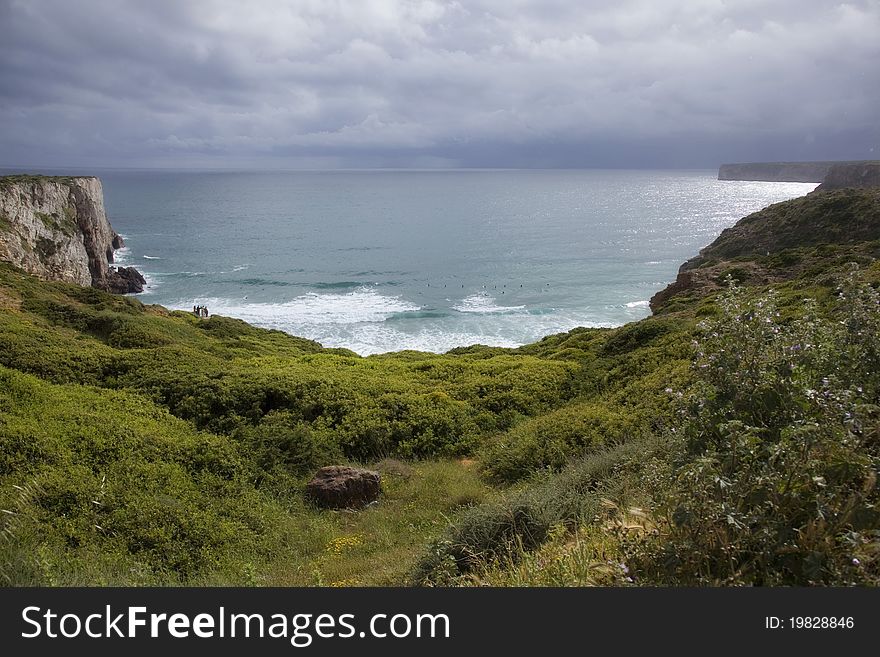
589,555
201,434
140,446
526,517
49,222
380,545
30,179
133,391
65,224
111,474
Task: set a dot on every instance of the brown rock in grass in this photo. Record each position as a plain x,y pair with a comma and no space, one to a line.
341,486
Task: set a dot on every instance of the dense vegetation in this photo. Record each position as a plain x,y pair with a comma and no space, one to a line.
175,449
731,438
774,480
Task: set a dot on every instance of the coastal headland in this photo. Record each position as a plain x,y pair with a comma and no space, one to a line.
56,228
842,174
730,438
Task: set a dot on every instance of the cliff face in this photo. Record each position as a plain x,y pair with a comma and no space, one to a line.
784,240
776,171
860,175
781,242
56,228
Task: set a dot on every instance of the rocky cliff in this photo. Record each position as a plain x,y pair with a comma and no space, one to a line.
781,242
785,240
780,171
56,228
858,175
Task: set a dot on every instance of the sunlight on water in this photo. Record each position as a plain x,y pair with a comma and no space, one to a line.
383,261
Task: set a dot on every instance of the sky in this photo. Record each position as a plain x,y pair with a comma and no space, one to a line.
323,84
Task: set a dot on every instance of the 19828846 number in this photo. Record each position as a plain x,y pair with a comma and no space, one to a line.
821,622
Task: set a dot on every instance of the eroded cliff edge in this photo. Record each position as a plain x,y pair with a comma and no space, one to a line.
792,239
56,228
816,172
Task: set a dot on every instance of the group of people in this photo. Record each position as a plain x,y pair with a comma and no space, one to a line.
200,311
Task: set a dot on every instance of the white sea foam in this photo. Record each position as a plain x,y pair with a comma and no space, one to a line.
149,257
312,309
638,304
151,285
367,333
380,338
483,303
235,269
358,321
121,256
493,330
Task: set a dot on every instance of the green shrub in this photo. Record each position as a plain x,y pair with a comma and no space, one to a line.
550,441
283,441
524,518
635,335
736,274
785,259
776,481
111,477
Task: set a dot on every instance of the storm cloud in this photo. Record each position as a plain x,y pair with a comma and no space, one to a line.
427,83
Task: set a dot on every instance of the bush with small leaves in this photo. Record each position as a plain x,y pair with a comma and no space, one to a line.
776,475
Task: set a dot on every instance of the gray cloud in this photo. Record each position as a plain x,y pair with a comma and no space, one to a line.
433,83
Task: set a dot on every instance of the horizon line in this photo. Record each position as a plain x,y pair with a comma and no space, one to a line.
57,167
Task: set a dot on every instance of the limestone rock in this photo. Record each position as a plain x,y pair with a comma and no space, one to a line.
860,176
341,486
125,280
56,228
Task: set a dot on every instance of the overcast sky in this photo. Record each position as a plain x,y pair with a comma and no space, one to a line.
430,83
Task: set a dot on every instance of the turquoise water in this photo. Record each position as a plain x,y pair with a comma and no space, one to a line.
387,260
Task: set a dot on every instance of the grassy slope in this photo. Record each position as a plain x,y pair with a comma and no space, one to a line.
806,238
777,279
184,425
143,446
835,217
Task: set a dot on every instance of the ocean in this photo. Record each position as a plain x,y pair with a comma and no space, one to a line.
379,261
